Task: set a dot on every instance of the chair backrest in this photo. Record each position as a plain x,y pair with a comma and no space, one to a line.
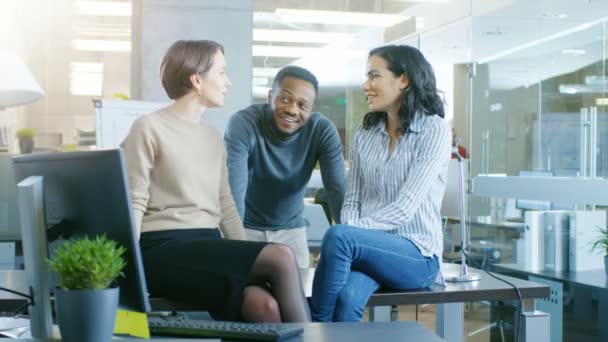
317,221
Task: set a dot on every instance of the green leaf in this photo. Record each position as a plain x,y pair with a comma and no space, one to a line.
602,241
88,264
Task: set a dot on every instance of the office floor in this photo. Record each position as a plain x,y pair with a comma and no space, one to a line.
476,319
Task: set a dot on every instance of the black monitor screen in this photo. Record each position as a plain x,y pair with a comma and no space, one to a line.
86,193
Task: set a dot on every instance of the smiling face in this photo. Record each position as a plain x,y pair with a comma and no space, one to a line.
215,83
382,88
292,103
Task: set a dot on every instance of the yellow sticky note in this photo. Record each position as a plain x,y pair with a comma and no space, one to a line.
132,323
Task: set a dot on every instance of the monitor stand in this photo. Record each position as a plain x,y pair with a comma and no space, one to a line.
30,194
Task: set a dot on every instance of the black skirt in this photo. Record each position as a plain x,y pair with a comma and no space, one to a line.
199,266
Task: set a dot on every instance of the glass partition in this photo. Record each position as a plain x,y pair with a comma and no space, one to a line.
538,109
541,107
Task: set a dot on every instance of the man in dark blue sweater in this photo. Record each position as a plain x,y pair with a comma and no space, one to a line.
272,151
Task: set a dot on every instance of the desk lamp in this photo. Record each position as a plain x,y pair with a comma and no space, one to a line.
17,87
464,274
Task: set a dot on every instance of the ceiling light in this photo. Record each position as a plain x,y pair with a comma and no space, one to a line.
105,33
424,1
567,89
259,81
103,30
101,45
281,51
495,32
574,52
300,36
104,8
265,72
553,15
596,79
338,17
298,52
496,107
541,41
581,88
259,91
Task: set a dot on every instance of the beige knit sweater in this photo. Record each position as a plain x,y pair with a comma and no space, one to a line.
178,176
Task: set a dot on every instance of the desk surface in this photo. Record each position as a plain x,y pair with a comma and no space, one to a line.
314,332
487,288
490,222
593,278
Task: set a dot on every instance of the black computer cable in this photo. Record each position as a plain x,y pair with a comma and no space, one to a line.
16,292
519,298
17,312
21,294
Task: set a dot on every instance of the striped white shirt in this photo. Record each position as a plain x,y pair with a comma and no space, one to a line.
400,193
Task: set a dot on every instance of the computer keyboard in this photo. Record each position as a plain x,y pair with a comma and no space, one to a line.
182,326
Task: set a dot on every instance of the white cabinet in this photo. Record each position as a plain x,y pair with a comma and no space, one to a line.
115,117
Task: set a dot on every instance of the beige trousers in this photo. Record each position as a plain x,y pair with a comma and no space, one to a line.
294,238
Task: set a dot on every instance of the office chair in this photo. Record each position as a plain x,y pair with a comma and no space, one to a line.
321,198
318,225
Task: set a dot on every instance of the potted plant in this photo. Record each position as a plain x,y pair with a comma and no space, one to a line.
26,139
87,298
601,243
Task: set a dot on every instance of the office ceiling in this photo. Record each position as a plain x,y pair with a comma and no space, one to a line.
515,34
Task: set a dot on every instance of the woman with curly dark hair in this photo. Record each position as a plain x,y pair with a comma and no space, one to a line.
390,234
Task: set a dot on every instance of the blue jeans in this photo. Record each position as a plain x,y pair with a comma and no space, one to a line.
355,262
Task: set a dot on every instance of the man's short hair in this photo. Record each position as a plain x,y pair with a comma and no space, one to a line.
295,72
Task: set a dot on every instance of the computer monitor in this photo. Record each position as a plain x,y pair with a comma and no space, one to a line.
86,194
9,221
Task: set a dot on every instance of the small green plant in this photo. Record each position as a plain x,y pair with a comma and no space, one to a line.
120,96
602,241
26,133
68,147
88,264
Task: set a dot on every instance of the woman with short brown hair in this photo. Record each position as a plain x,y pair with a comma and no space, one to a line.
191,233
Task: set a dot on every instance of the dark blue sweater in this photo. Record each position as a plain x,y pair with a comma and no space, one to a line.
268,175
